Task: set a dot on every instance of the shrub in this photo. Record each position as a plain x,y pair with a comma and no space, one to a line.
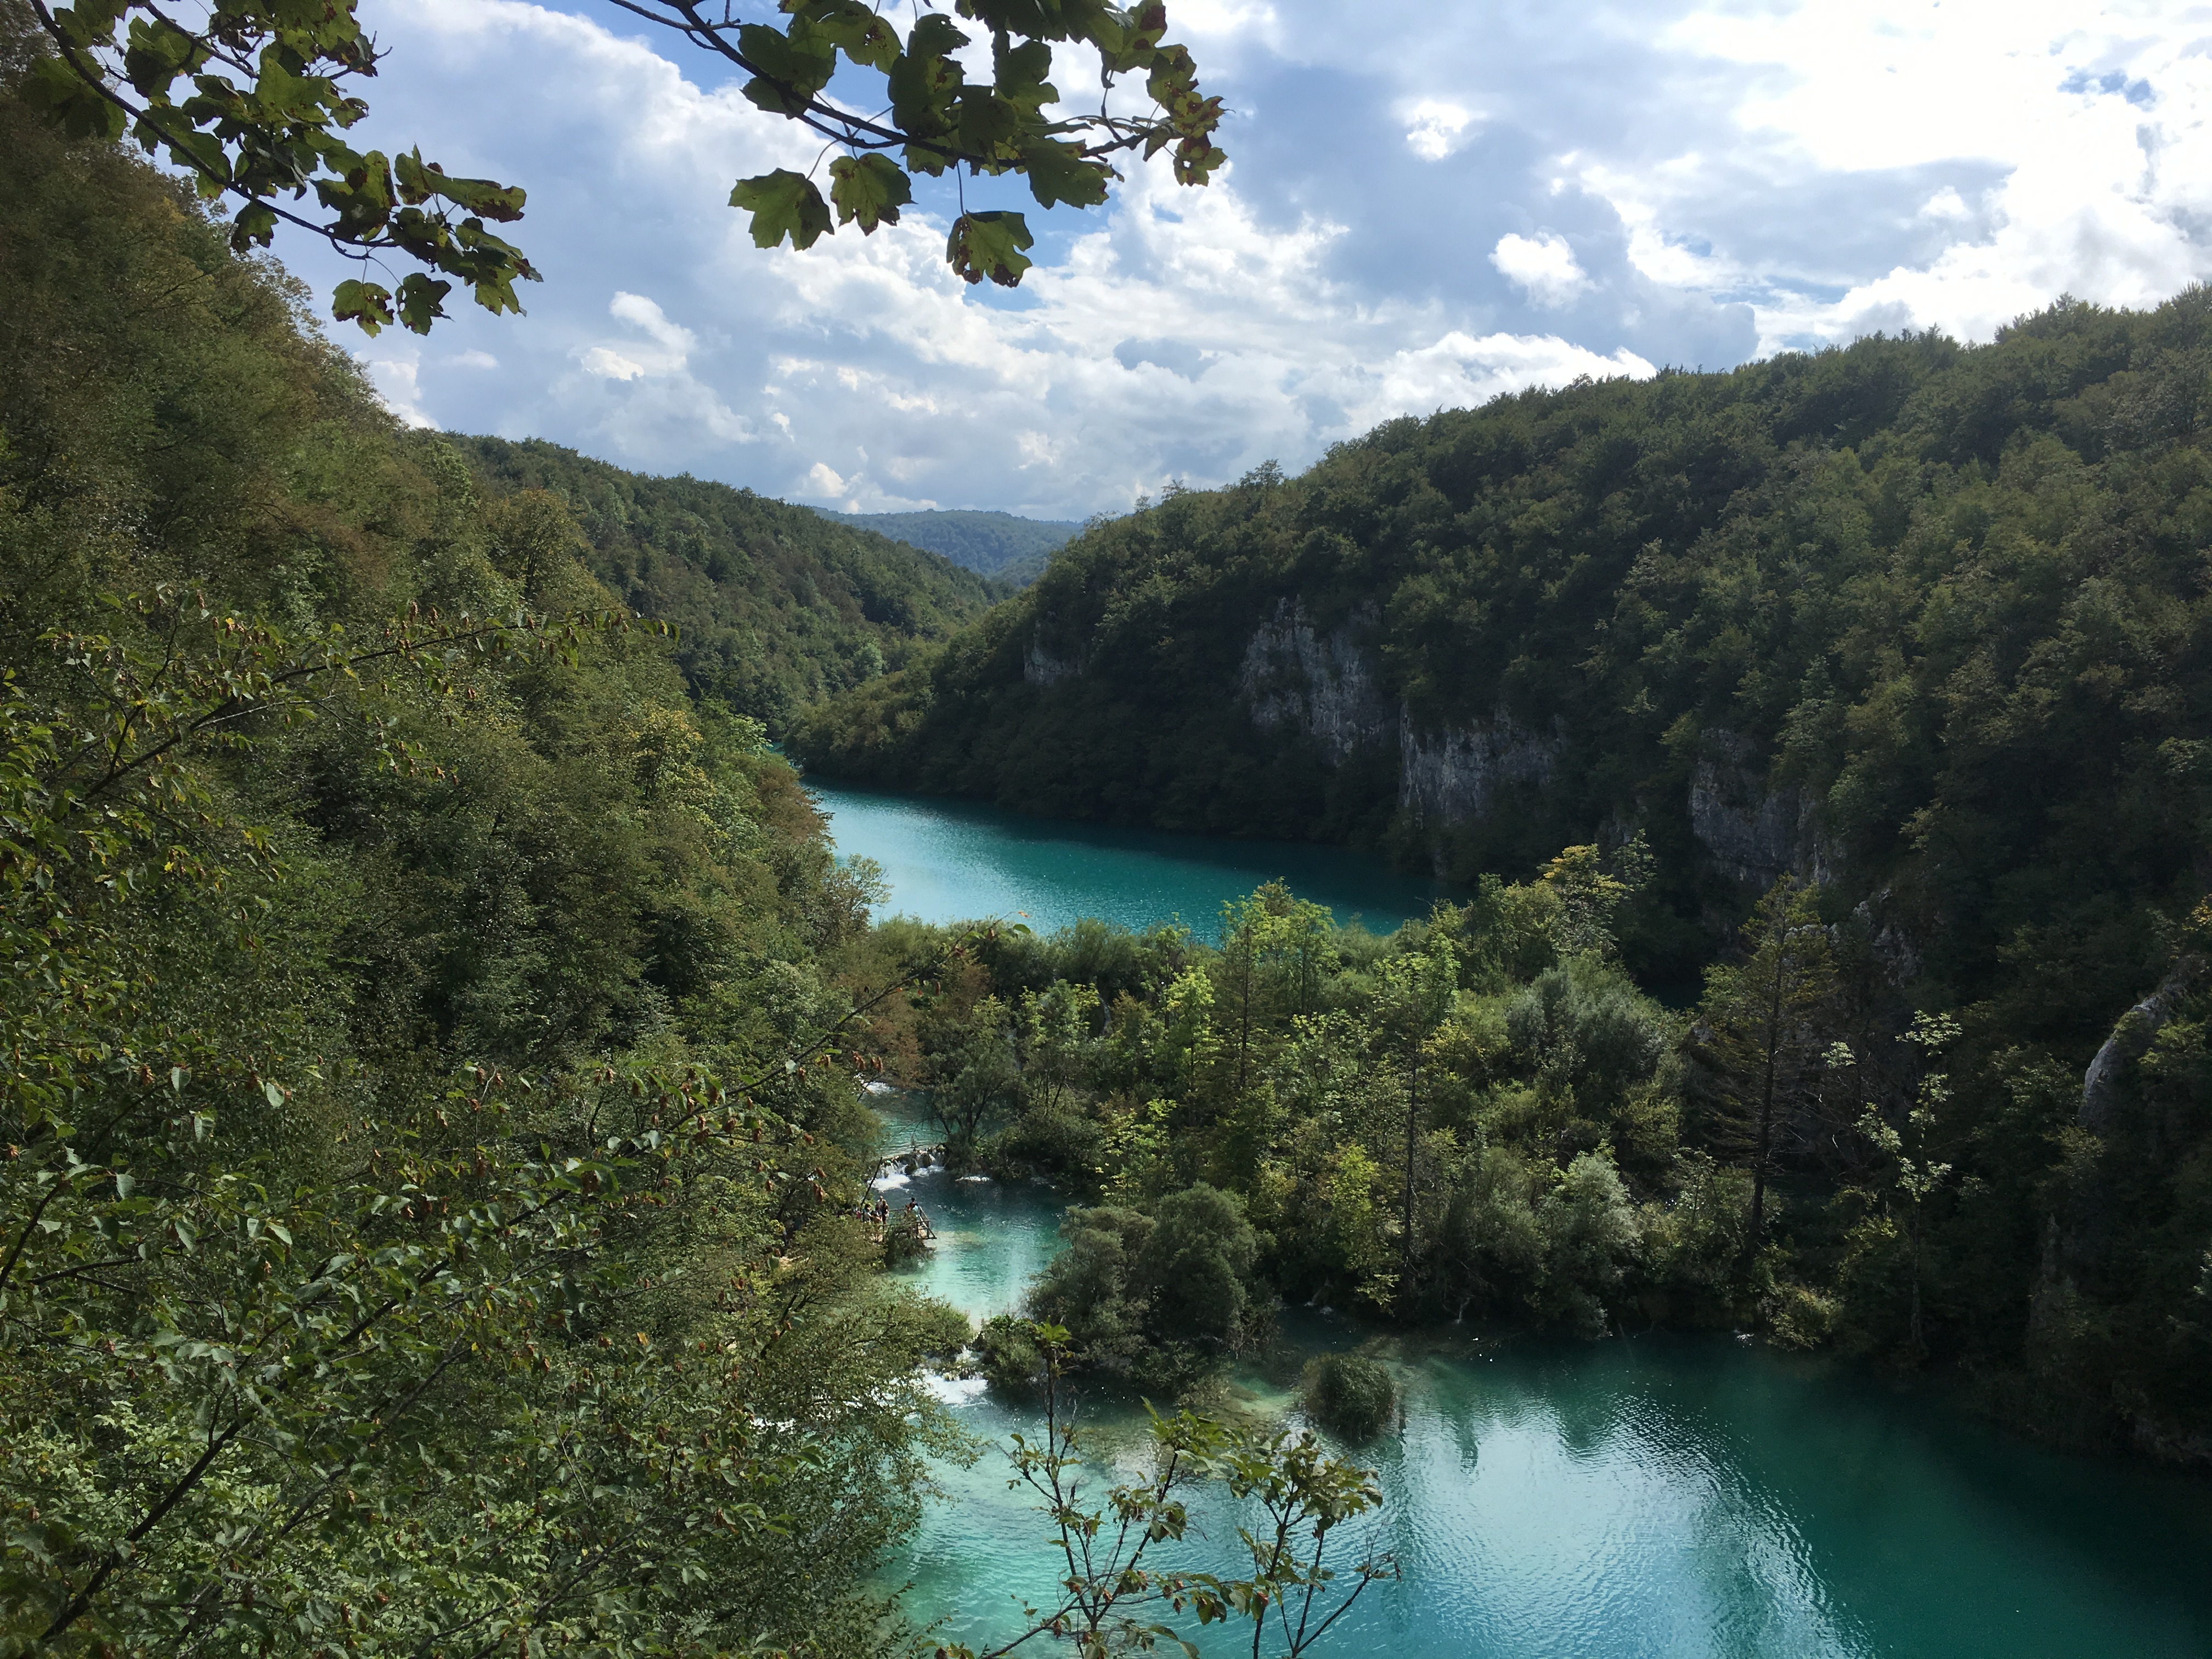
944,1330
1197,1265
1350,1394
902,1240
1007,1354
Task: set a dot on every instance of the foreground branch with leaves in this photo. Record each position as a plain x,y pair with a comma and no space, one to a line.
251,101
1114,1597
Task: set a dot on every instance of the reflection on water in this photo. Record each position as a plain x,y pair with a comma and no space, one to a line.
956,861
1637,1499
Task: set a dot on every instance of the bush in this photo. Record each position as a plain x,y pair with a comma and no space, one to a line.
1007,1354
1590,1233
944,1330
1350,1394
1799,1316
902,1241
1197,1266
1090,1286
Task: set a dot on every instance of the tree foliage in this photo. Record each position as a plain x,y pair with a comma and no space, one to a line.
418,1210
774,608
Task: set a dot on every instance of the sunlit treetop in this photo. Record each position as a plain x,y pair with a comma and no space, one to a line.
251,100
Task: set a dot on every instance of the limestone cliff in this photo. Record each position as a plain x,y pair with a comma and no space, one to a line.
1754,833
1040,667
1327,685
1322,685
1455,774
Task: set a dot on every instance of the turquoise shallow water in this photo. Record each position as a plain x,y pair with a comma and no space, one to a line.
1654,1497
956,861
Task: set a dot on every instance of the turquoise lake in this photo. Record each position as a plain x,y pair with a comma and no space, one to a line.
955,861
1655,1496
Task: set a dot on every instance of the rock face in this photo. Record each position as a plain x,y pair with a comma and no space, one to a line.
1040,667
1456,775
2130,1040
1755,835
1326,686
1320,684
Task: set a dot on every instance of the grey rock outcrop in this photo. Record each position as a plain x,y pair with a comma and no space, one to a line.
1754,835
1040,667
2130,1040
1322,685
1457,774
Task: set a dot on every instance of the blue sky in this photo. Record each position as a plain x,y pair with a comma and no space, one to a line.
1427,203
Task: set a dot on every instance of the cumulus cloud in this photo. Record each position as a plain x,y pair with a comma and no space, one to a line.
396,374
2092,118
1711,180
611,365
1542,266
1434,130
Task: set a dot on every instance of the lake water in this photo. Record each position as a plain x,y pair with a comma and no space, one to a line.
956,861
1654,1497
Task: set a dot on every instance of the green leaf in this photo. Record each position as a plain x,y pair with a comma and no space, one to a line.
158,52
934,35
1061,172
422,300
254,227
367,303
860,33
869,188
53,87
989,245
790,69
987,121
420,181
1019,72
783,203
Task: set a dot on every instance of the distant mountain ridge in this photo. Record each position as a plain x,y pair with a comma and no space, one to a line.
1002,544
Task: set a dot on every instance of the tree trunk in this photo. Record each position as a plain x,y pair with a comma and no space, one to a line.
1412,1124
1765,1140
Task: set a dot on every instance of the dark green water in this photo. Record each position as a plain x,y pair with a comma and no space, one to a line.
1656,1498
955,861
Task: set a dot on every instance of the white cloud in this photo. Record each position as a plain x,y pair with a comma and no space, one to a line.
1435,130
611,365
2092,116
397,377
1543,266
1714,177
635,308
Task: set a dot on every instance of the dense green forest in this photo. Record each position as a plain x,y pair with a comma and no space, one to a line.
368,955
431,1123
1013,550
774,607
1909,637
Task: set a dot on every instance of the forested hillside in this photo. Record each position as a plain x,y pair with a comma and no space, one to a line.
1912,639
1002,544
382,1267
774,607
1927,618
